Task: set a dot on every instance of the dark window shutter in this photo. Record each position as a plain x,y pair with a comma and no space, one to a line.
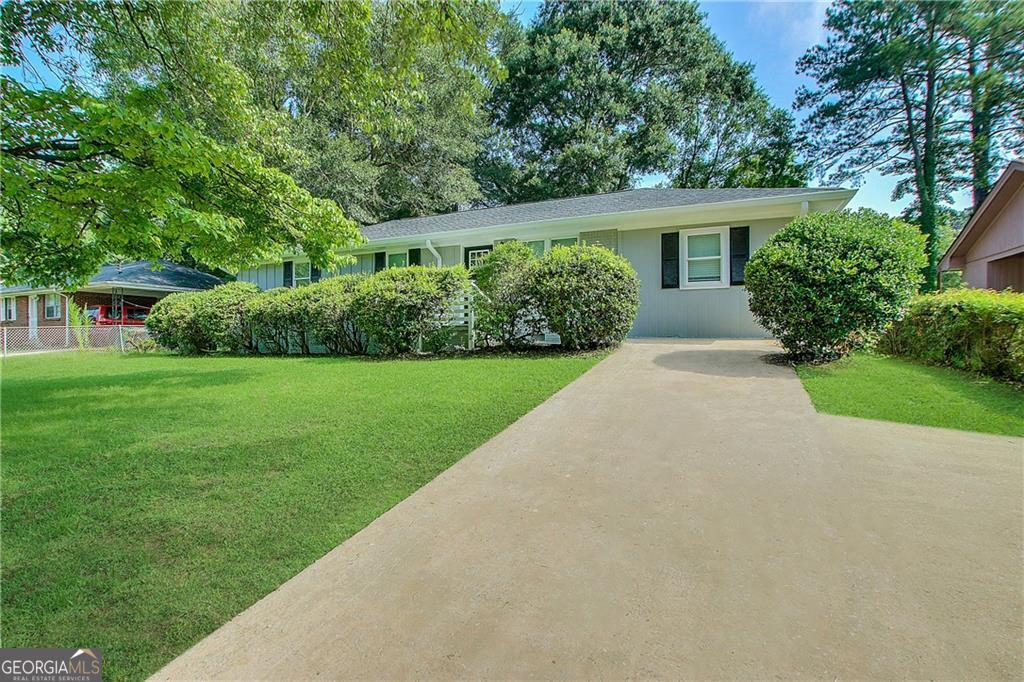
314,274
288,273
670,260
414,256
739,253
380,261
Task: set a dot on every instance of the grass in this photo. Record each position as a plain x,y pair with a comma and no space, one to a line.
897,390
147,499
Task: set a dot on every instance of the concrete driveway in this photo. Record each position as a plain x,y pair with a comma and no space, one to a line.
679,511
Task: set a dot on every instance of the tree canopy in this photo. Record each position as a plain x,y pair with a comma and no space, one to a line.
925,91
600,93
164,138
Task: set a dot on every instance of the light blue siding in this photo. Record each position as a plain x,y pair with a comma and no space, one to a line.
264,276
689,313
450,255
362,265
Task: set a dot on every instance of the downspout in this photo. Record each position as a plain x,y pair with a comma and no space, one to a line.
804,206
432,250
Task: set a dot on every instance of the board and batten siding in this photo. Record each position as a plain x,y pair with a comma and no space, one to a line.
269,276
689,313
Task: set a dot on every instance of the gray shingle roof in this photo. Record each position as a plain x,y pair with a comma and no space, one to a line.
573,207
141,274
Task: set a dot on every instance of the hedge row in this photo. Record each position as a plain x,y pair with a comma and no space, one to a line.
974,329
587,295
397,309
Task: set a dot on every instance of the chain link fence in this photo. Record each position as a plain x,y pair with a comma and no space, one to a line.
20,340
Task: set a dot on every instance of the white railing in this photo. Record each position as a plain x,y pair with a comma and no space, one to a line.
19,340
462,312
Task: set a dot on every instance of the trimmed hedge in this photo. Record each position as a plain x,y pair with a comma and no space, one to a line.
172,323
507,311
828,283
399,308
218,316
973,329
587,295
330,314
203,321
276,321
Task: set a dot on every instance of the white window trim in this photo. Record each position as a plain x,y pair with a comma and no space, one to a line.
13,302
295,275
46,307
399,252
470,252
547,241
723,276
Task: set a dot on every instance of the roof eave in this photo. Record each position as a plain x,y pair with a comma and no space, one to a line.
956,254
841,195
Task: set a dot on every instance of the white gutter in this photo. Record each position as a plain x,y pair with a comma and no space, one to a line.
670,213
674,211
437,256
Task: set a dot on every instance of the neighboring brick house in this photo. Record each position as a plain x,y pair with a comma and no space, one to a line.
134,283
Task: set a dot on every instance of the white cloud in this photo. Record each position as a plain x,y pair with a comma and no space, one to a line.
795,26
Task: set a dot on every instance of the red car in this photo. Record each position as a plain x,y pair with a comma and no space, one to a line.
130,315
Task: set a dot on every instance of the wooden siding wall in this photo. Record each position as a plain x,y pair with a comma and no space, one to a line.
264,276
689,313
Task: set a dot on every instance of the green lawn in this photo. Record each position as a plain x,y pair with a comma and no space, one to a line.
149,498
892,389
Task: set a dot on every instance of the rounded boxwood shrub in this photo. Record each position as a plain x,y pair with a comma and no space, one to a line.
400,307
172,322
276,320
330,311
507,311
587,295
974,329
827,283
218,317
203,321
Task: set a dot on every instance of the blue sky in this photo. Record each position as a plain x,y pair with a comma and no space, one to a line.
772,36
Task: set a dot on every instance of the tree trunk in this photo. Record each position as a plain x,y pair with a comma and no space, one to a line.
981,119
928,185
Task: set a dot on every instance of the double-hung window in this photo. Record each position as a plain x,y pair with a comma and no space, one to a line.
704,257
475,255
10,310
302,274
52,311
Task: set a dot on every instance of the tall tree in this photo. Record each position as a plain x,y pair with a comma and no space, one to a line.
154,143
410,156
736,138
895,94
992,35
601,93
